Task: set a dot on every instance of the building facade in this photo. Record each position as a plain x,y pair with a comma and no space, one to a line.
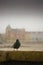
11,35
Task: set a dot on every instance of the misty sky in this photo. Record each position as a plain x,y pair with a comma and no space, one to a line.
26,14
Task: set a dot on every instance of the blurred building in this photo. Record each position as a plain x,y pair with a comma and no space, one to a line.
11,35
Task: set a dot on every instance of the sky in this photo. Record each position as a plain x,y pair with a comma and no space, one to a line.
26,14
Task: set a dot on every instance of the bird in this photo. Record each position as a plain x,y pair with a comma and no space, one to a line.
16,44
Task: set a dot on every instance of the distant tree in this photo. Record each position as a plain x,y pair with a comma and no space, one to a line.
16,44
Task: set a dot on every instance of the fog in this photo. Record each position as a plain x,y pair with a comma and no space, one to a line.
26,14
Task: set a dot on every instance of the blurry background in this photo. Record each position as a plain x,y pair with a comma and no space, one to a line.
26,14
